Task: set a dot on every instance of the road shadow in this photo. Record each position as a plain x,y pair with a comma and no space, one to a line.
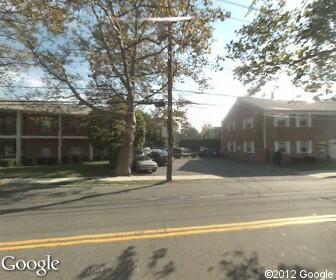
237,265
13,192
69,201
233,168
126,263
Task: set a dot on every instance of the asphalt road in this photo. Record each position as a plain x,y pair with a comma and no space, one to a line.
244,228
223,167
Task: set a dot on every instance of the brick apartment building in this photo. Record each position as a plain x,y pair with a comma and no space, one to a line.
255,129
44,132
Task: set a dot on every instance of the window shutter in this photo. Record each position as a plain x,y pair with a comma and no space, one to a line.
310,150
275,121
228,146
252,147
297,120
276,146
288,147
287,121
298,147
309,120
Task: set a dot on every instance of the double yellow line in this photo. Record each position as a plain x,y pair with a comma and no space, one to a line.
162,233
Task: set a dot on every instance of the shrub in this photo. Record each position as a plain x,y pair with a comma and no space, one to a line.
7,162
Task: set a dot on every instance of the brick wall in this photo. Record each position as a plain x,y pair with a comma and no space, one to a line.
32,148
7,123
323,129
74,126
32,124
240,135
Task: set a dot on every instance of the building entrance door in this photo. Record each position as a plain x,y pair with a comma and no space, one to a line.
332,149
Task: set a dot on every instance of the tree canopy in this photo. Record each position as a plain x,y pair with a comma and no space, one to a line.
93,50
300,43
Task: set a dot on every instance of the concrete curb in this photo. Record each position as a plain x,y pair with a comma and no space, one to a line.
107,179
322,175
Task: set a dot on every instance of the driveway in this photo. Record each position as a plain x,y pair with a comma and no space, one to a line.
225,168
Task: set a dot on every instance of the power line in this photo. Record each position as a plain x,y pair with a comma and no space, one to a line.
106,88
240,5
206,93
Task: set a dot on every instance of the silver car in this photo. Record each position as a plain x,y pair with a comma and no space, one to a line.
144,163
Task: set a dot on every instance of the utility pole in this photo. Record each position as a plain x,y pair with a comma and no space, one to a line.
169,175
169,20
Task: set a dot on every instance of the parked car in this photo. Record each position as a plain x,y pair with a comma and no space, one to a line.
177,152
209,153
159,156
182,152
147,150
144,163
139,153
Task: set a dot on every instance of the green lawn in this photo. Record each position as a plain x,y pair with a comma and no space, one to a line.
91,169
323,166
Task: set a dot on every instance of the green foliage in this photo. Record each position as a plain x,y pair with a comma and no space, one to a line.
105,131
299,42
7,162
92,51
205,130
156,123
187,130
196,144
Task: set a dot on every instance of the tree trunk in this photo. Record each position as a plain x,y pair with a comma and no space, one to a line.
125,158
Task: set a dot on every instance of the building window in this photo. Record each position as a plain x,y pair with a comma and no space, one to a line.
304,147
45,152
231,146
248,123
78,126
45,125
7,124
249,147
281,121
303,120
76,151
282,146
231,126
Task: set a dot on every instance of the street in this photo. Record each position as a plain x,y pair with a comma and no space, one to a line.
243,226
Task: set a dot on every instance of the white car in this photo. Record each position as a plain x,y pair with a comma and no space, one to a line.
144,163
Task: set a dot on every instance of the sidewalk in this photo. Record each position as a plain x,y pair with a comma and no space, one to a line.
106,179
321,175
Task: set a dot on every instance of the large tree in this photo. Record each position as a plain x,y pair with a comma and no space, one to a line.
93,50
298,42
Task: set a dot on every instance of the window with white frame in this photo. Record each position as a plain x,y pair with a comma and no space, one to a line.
45,125
9,151
304,147
45,152
76,151
281,121
231,146
249,147
282,146
248,123
303,120
231,126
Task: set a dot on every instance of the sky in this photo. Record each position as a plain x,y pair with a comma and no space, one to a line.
221,83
